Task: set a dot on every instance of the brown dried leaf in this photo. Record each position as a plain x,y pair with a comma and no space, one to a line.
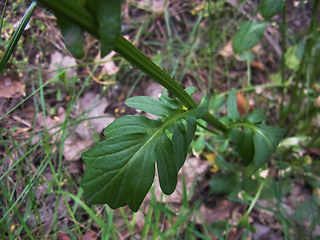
11,88
108,66
227,51
58,62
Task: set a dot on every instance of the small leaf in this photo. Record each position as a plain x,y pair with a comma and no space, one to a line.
248,35
108,14
166,165
243,141
293,56
232,108
256,116
191,90
224,183
172,103
269,8
149,105
183,133
73,36
199,144
266,138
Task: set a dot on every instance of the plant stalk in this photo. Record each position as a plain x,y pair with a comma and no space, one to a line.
82,17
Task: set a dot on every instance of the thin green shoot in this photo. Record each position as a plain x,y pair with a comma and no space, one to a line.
16,36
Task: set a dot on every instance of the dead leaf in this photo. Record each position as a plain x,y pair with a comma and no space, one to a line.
154,6
89,236
63,236
258,65
221,212
227,51
243,105
73,147
108,66
11,88
60,62
75,144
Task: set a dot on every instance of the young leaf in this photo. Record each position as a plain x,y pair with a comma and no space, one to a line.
248,35
232,108
108,14
243,141
191,90
149,105
182,137
224,183
269,8
265,138
256,116
73,36
172,103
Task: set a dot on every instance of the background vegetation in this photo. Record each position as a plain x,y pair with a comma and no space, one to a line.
53,107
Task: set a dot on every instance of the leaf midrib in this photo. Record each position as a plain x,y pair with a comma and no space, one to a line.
161,129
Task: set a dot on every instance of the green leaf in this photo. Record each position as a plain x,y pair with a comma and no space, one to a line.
172,103
108,15
199,144
269,8
232,108
293,56
224,183
248,35
149,105
266,138
183,133
243,141
256,116
121,169
191,90
166,165
73,36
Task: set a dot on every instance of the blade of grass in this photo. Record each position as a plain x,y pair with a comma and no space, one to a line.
16,36
2,16
92,215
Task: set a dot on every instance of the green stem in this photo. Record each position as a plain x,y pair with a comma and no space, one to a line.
16,36
283,49
127,50
244,220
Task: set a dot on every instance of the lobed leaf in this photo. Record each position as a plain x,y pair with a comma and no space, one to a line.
121,169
